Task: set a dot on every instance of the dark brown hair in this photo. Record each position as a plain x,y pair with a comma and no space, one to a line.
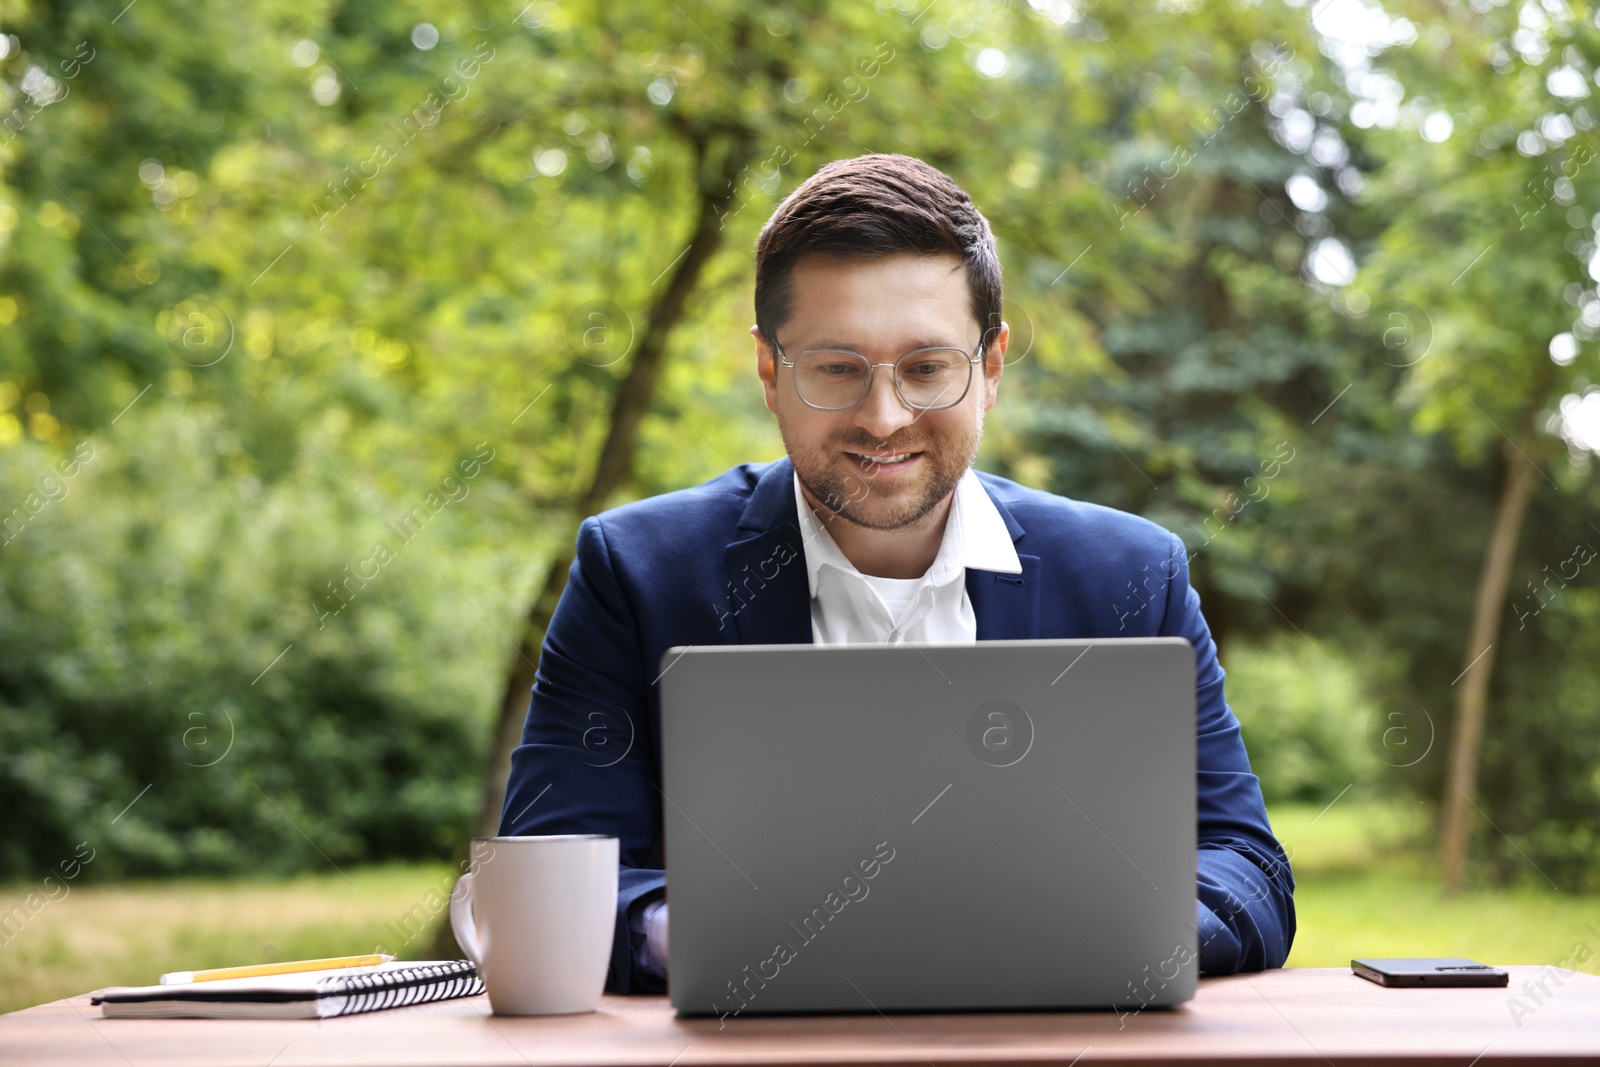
874,206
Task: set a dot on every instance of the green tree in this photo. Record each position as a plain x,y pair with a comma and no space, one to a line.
1488,270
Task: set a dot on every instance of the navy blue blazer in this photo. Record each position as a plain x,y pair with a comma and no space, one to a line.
722,563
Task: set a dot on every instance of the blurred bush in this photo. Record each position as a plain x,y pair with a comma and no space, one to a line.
1305,712
166,624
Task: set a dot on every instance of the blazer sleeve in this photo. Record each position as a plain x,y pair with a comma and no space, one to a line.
1245,911
586,763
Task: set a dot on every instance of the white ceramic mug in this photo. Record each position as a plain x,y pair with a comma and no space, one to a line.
537,918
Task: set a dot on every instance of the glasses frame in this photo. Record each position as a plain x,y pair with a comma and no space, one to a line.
973,359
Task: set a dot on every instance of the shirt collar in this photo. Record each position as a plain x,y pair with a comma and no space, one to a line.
975,538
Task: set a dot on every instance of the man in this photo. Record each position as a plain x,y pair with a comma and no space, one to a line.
880,346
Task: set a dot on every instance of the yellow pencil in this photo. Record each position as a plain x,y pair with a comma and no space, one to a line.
257,970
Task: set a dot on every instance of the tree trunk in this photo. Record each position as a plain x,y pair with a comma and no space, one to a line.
1461,781
519,683
614,468
615,465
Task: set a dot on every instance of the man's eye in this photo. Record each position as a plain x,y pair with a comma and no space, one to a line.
838,370
925,370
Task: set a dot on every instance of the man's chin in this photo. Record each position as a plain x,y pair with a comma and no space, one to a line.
885,523
888,514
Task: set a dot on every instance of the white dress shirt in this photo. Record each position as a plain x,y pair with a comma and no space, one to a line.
848,607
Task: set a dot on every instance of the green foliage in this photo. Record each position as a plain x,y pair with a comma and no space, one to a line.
239,677
1307,717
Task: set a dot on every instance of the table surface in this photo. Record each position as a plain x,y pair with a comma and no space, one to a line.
1309,1015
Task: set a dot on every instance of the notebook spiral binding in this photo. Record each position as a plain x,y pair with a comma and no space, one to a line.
406,986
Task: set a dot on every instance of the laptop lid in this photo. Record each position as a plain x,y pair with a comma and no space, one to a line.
1004,825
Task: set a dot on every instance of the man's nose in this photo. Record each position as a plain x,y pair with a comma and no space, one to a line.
882,412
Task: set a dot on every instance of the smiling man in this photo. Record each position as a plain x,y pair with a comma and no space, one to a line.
880,347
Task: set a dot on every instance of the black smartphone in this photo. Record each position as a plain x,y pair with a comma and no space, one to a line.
1419,973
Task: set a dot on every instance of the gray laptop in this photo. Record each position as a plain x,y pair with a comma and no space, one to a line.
1006,825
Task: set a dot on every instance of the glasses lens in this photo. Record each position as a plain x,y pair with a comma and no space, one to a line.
934,377
830,379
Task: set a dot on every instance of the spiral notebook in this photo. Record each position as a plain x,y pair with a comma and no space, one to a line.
309,995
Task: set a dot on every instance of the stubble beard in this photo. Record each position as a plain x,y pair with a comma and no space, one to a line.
842,494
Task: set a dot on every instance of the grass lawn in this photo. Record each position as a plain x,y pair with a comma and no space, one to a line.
128,934
1360,892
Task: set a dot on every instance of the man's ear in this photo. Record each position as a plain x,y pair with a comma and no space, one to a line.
766,369
994,364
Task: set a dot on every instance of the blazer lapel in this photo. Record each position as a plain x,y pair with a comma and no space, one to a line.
1006,605
767,592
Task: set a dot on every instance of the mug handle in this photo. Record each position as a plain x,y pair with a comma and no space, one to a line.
461,921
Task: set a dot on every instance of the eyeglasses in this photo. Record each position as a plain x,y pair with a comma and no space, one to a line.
926,379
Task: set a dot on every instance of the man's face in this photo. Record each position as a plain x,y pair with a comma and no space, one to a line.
880,465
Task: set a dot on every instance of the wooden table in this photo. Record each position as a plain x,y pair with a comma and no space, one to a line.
1310,1015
